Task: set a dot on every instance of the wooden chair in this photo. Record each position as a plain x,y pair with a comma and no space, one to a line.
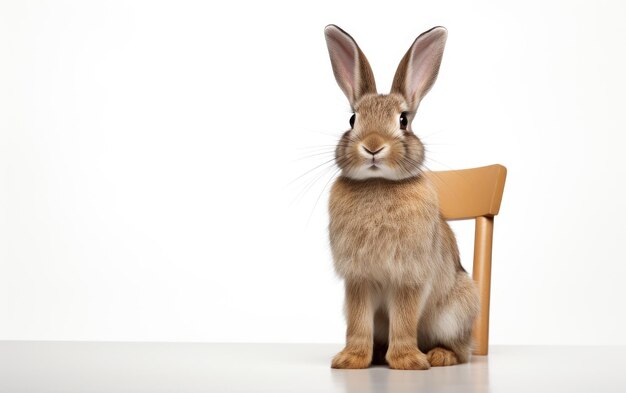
475,193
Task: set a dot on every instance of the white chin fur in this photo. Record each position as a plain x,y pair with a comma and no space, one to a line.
365,172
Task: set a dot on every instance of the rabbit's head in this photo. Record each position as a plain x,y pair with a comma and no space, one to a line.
380,142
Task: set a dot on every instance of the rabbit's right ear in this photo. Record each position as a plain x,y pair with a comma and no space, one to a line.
352,70
418,69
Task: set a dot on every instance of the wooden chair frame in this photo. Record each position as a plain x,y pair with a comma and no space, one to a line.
475,194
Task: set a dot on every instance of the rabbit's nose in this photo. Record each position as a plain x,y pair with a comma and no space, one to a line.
373,152
373,146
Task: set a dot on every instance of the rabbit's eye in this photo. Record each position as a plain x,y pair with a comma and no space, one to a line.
352,118
403,121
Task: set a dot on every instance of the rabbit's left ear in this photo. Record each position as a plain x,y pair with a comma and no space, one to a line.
419,67
350,66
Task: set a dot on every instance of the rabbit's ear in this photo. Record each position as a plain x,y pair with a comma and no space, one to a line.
418,69
351,68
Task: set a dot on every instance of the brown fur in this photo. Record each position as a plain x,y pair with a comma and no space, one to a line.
438,357
375,127
389,240
409,302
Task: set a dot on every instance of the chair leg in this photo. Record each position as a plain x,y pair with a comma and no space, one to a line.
482,277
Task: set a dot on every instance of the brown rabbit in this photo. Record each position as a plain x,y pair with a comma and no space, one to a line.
408,299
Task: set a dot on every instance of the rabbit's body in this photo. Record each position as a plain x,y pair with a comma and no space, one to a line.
406,291
373,221
390,234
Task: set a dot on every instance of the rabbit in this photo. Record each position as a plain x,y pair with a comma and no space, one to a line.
408,301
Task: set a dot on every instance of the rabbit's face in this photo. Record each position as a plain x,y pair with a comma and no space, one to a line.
380,143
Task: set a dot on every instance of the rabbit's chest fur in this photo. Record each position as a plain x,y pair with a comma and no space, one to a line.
385,231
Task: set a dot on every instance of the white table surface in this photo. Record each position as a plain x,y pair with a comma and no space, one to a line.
41,366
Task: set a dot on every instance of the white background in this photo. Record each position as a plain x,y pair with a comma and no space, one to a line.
151,154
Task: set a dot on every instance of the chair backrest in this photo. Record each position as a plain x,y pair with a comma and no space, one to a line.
475,194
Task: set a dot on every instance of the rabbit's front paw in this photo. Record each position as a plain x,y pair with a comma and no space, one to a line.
409,359
351,358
